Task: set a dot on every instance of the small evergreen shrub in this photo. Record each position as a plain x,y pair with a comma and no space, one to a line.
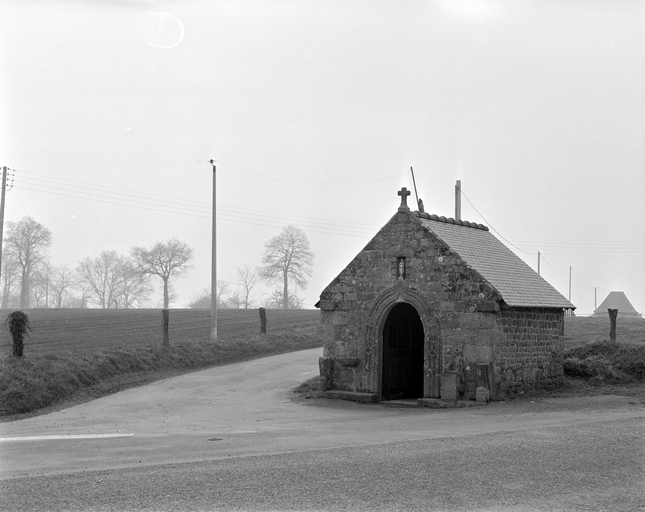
18,323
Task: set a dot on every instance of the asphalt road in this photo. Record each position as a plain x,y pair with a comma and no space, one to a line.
231,438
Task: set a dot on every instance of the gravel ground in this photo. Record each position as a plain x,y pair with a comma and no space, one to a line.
597,466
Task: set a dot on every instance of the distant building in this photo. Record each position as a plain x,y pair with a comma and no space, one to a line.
619,301
436,308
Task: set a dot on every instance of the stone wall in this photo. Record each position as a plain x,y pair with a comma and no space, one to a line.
531,354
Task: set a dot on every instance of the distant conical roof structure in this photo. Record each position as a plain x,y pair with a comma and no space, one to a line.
619,301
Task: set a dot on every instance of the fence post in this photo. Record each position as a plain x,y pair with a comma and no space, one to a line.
165,319
263,321
613,313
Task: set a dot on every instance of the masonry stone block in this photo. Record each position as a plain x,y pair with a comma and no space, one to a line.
449,386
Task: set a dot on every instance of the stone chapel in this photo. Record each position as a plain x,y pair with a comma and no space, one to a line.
438,309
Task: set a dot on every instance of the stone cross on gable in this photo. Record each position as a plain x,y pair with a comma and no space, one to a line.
404,193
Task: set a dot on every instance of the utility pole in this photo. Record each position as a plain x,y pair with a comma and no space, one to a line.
214,262
569,283
539,262
4,187
595,295
458,200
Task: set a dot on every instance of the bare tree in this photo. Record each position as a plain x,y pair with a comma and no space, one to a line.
202,300
287,257
222,292
40,287
248,278
235,300
100,277
29,240
134,286
110,281
166,260
10,279
63,282
276,300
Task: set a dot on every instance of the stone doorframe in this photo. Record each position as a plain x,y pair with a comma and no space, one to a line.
432,349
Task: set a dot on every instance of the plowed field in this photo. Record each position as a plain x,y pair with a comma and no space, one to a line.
76,331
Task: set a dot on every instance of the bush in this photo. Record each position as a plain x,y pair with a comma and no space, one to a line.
18,323
606,361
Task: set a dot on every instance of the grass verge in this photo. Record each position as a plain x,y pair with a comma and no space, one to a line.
606,361
36,383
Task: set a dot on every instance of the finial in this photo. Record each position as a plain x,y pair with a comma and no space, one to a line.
421,210
404,193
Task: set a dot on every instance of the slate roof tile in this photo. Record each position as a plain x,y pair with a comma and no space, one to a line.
518,284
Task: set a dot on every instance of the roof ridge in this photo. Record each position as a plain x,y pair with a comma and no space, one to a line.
449,220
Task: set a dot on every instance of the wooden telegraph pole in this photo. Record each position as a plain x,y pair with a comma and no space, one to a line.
4,187
214,262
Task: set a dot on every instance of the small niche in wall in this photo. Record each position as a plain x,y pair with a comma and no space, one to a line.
399,268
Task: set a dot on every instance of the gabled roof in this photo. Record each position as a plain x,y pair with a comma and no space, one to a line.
616,300
518,284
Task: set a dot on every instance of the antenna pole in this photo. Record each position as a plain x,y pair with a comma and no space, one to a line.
458,201
539,253
415,184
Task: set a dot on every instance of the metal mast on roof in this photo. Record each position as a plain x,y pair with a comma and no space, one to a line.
415,184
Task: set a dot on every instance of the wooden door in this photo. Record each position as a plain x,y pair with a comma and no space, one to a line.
402,354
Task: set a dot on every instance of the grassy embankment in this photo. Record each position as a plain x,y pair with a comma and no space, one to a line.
592,359
76,355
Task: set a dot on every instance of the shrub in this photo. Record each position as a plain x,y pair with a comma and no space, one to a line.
605,361
18,323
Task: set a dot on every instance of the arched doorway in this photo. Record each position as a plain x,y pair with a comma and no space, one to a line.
403,342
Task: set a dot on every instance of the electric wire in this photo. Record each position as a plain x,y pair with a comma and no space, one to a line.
491,226
168,202
549,264
155,202
580,280
257,220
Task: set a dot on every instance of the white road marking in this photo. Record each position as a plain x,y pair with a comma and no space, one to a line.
62,436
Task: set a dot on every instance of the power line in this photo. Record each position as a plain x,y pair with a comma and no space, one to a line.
250,218
108,166
118,196
581,281
245,169
154,202
314,182
567,245
490,225
549,264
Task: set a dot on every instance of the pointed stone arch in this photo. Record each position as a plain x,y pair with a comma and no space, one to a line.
373,337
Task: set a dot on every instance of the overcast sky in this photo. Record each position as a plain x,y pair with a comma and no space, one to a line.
315,112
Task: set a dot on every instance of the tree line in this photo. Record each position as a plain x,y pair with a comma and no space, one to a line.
111,280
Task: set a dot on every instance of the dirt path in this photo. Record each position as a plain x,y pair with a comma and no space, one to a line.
246,409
